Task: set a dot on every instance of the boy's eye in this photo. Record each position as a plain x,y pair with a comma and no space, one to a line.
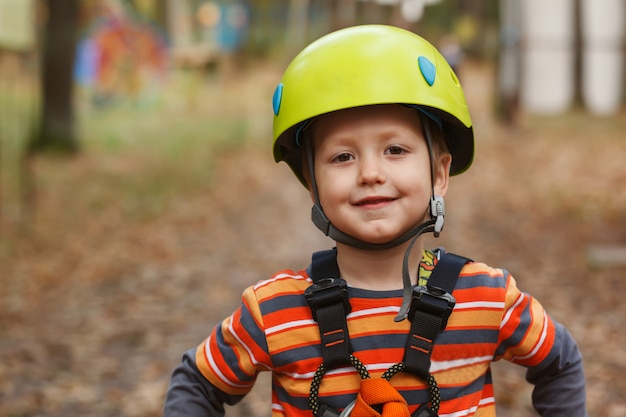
394,150
343,157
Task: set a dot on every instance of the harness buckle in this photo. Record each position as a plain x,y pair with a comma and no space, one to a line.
325,292
432,300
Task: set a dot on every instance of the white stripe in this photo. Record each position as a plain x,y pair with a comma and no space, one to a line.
374,311
380,366
471,411
278,277
343,370
289,325
438,366
509,312
480,304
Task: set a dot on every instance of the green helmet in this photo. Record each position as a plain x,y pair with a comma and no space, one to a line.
365,65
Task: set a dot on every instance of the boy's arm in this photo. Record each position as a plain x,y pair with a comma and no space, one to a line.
529,337
560,387
223,368
191,395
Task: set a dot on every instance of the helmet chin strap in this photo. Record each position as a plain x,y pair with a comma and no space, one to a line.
434,224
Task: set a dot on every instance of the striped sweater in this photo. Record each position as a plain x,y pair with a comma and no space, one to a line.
274,331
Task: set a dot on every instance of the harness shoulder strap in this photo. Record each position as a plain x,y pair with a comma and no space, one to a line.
446,272
328,299
430,309
324,265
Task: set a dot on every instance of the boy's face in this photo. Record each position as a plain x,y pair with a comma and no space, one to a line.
373,172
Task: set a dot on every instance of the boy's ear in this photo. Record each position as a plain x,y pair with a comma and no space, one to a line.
442,174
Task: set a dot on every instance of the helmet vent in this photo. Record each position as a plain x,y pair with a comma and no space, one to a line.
428,69
454,78
278,97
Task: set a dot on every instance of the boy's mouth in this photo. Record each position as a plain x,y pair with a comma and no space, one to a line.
373,201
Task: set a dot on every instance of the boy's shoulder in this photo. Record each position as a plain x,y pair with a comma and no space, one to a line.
481,268
473,268
479,280
282,291
282,282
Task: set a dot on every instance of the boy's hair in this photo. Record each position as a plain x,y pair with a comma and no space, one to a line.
367,65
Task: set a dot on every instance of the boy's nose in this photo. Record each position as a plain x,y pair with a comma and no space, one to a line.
371,171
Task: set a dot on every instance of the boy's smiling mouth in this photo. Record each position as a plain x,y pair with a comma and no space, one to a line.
374,201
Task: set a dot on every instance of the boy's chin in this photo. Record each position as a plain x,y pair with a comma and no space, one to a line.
384,237
379,239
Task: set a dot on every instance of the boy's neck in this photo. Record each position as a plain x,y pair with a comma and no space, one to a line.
377,270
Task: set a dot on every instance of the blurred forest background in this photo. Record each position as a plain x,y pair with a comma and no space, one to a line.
139,197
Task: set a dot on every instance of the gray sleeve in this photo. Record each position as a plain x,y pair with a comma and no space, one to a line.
191,395
560,386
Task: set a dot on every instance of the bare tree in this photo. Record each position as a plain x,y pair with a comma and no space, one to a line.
56,128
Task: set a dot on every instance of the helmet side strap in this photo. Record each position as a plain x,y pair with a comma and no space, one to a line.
436,206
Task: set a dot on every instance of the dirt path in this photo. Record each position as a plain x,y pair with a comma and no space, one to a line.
96,332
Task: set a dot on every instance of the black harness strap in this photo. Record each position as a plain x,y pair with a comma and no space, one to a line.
430,308
328,299
324,265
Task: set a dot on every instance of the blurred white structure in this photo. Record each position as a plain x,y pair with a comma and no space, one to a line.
548,55
411,10
602,24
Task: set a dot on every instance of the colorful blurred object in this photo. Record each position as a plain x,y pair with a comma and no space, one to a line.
121,55
232,26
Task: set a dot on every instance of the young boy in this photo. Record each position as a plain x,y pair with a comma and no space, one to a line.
373,122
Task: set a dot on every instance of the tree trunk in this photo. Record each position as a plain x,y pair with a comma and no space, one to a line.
56,129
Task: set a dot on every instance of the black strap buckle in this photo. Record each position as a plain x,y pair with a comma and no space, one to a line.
432,300
329,302
326,292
